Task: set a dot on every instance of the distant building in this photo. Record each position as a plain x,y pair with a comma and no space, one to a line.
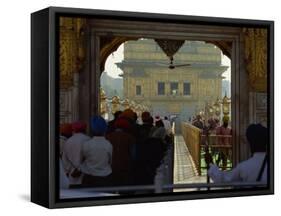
181,91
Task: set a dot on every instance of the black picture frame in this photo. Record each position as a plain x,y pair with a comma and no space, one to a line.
45,103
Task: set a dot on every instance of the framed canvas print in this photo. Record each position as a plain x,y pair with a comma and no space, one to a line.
139,107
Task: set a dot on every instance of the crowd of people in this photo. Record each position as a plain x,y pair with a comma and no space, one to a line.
119,152
221,137
252,170
125,152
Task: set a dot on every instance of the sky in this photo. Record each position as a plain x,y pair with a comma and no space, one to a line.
226,61
110,66
117,56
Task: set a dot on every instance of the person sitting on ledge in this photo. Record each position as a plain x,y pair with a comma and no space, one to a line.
252,170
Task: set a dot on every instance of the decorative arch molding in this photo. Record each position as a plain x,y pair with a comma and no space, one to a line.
225,46
108,45
255,53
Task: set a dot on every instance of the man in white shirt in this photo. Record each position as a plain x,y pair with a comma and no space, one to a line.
72,152
252,170
65,133
97,156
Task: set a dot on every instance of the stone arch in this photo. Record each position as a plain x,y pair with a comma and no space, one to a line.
108,45
225,47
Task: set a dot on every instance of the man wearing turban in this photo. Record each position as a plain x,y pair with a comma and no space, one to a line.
65,133
72,151
123,146
97,156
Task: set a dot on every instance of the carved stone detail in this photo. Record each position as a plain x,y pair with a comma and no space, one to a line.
258,108
225,46
72,49
108,45
256,58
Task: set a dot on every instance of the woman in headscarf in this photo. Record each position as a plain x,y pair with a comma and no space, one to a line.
97,156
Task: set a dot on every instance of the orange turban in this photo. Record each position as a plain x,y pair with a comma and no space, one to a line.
66,129
128,113
79,126
122,123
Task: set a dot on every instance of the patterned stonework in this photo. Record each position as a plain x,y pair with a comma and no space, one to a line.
72,56
256,58
258,108
72,51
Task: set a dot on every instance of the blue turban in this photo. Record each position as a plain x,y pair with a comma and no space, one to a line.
98,125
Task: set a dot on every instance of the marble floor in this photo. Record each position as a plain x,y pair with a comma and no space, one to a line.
184,168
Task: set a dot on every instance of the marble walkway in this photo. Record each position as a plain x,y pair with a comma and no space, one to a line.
184,169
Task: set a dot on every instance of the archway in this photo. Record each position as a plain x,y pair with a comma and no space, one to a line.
227,36
145,65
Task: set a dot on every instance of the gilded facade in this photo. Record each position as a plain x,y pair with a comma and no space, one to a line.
71,58
181,91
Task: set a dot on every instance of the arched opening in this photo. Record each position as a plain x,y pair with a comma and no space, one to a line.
138,75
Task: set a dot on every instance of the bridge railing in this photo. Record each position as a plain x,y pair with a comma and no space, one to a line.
191,136
207,148
217,146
